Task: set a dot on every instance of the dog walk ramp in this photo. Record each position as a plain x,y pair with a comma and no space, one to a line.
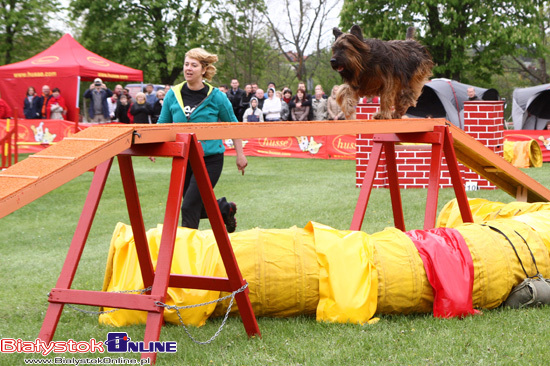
495,169
42,172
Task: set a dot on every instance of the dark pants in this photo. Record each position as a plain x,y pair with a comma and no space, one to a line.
192,208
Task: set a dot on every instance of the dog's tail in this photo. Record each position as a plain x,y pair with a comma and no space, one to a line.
410,33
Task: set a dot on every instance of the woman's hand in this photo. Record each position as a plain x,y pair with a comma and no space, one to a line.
242,163
241,158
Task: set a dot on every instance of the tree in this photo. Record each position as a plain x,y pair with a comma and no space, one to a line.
467,38
24,29
302,30
533,64
150,35
324,74
243,45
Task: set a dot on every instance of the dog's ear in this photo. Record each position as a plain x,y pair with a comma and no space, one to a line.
337,32
356,31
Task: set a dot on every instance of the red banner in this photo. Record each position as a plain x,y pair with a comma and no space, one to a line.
540,136
312,147
36,134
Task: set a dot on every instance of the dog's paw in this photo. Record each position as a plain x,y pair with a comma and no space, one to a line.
381,115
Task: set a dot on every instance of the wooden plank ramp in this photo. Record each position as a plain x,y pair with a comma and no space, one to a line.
32,178
496,170
42,172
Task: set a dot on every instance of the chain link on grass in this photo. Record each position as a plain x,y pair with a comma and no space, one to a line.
178,308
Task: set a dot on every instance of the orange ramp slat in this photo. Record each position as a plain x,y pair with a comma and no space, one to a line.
239,130
30,179
495,169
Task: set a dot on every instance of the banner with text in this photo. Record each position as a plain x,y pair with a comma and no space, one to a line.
312,147
36,134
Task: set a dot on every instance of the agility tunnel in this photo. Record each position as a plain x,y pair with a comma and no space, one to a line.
350,276
523,154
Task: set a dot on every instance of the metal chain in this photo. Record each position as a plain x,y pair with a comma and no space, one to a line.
91,312
178,308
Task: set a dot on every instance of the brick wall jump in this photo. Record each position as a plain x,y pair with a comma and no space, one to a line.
483,120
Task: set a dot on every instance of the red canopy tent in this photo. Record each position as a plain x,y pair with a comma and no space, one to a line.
62,66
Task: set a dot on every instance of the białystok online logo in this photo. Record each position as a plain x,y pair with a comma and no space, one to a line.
117,342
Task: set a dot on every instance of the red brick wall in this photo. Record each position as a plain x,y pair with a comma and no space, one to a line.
482,120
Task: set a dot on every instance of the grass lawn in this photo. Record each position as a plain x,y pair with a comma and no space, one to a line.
274,193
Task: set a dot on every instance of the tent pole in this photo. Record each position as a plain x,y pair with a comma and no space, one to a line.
77,104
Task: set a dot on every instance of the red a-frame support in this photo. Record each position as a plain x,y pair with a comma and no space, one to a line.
442,143
185,149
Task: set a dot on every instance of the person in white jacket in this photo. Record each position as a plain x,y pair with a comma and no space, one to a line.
272,106
253,114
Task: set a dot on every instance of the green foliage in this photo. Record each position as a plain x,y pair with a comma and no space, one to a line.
467,39
149,35
24,29
324,74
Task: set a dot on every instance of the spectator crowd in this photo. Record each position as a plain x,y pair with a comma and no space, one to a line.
251,104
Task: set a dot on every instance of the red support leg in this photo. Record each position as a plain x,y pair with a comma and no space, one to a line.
393,178
75,250
167,243
136,218
456,177
234,275
366,188
430,212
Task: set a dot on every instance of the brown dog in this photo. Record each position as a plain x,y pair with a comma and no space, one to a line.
394,70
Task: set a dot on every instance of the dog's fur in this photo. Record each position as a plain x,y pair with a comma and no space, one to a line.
394,70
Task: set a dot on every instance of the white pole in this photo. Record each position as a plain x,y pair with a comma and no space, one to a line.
78,92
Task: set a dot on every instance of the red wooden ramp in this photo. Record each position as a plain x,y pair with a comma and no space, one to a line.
185,149
32,178
495,169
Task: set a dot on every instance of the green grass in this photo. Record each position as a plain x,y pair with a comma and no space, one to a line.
274,193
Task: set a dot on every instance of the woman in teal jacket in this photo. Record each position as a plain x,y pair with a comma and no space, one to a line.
195,100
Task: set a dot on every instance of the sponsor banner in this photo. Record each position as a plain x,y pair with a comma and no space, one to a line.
312,147
540,136
36,134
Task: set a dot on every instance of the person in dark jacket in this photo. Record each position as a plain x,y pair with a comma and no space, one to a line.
235,95
32,105
122,109
245,101
98,94
141,110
